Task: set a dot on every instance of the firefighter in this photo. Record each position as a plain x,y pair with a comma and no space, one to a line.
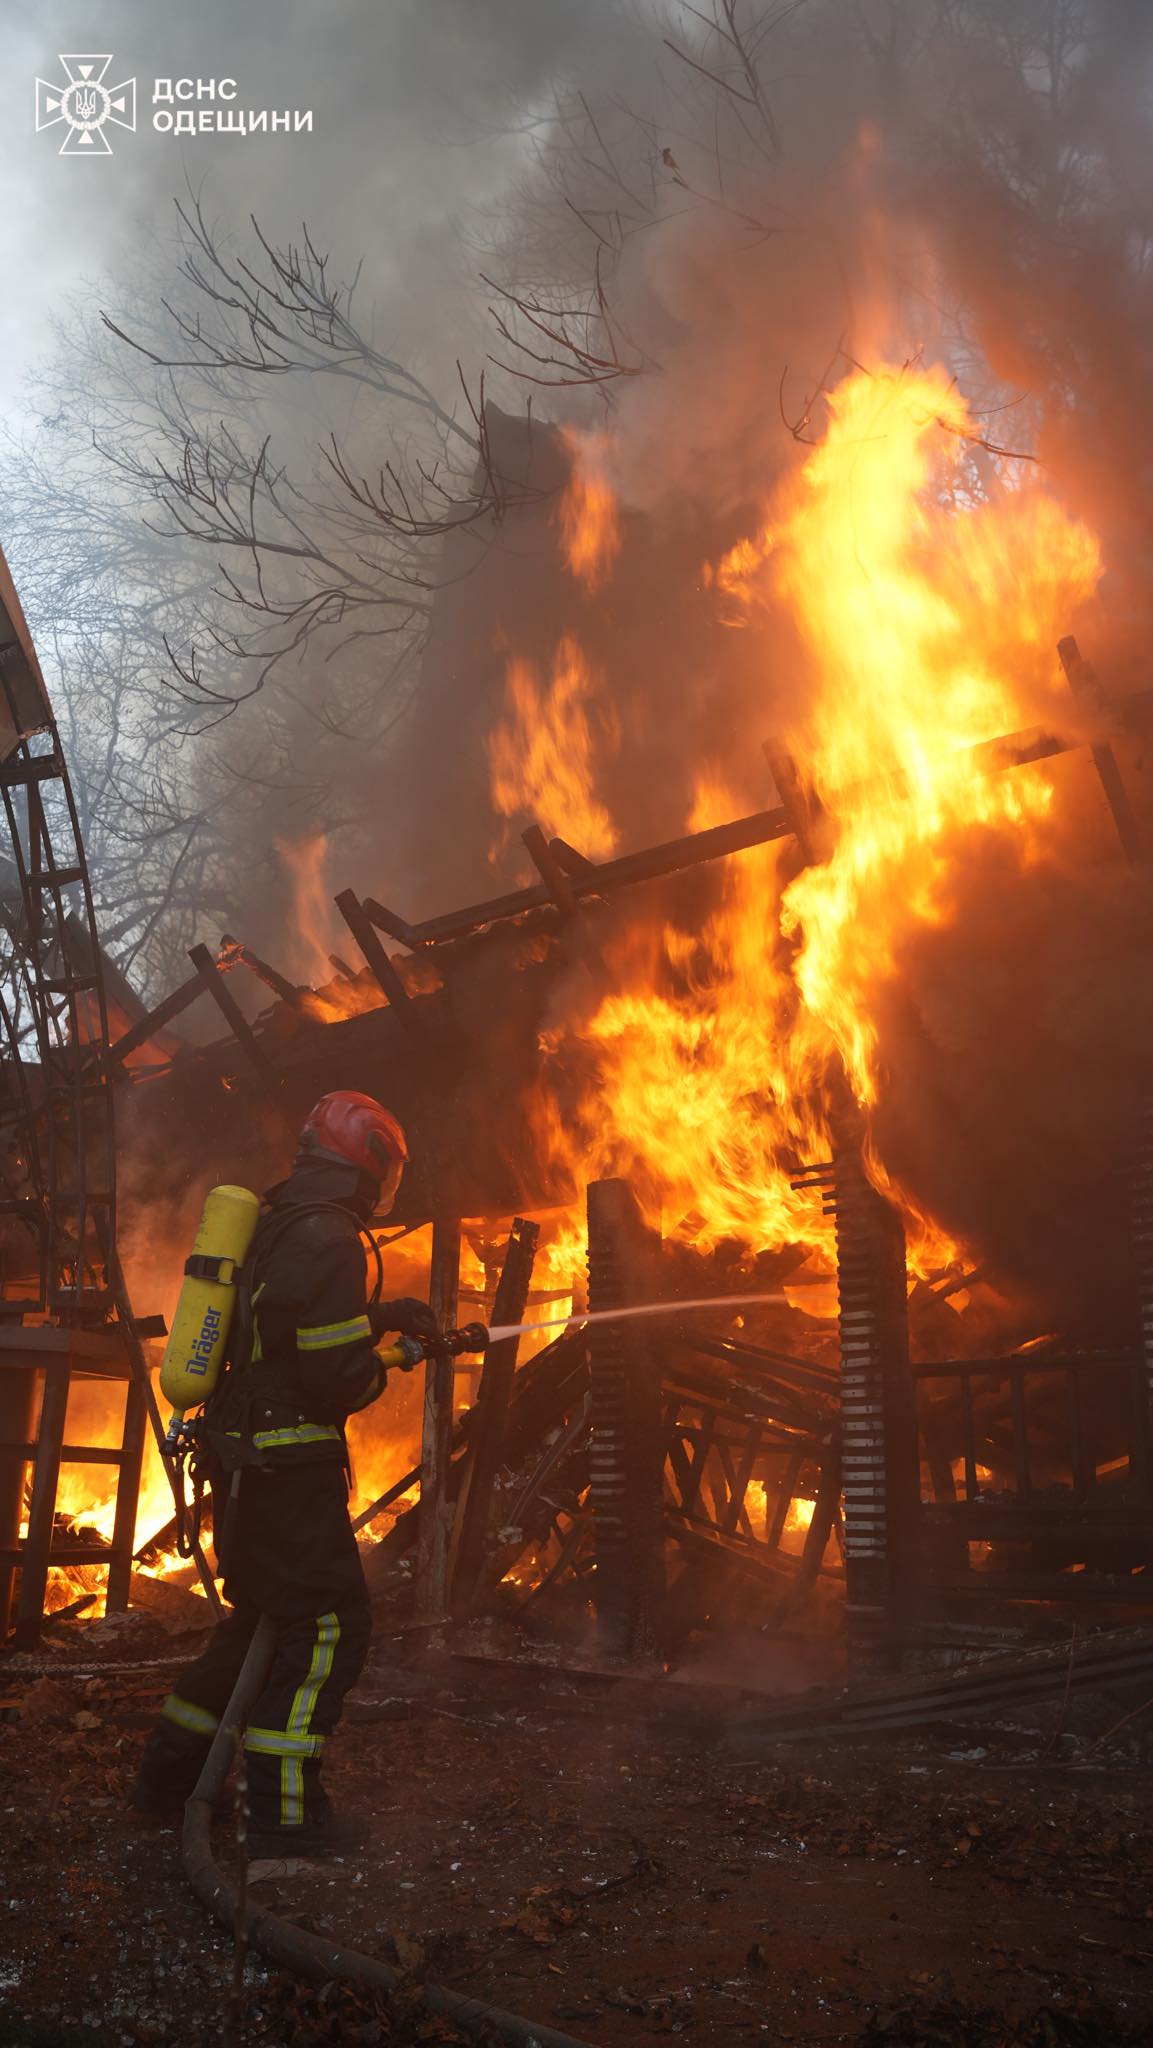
303,1359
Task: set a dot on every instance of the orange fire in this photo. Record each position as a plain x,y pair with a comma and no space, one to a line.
926,605
589,523
317,933
542,754
762,1502
312,936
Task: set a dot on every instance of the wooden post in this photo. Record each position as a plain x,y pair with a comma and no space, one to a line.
786,1493
431,1601
549,869
38,1546
626,1456
147,1027
364,932
798,801
17,1412
230,1010
825,1511
474,1507
1141,1225
387,921
130,1333
288,991
1083,684
127,1494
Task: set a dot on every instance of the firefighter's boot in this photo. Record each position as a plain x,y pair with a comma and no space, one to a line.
292,1814
172,1762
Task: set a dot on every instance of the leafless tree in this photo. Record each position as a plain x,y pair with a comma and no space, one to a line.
187,524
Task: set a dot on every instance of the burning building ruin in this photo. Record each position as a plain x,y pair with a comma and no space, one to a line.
843,1056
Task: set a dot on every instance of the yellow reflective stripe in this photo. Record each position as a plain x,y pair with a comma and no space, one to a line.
274,1742
324,1336
292,1793
303,1706
196,1719
294,1743
327,1638
257,1346
300,1433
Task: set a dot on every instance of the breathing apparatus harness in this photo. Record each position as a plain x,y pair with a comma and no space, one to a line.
218,1441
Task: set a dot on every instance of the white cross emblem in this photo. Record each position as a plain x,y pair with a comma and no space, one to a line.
85,103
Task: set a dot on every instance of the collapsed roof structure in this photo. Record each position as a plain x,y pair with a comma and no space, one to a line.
927,1457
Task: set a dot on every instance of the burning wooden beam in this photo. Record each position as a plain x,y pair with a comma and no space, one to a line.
380,966
1082,681
243,956
486,1445
213,982
695,849
800,803
571,861
150,1026
431,1590
550,870
597,878
387,921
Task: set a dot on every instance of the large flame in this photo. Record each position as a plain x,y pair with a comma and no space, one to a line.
543,753
311,926
926,606
588,516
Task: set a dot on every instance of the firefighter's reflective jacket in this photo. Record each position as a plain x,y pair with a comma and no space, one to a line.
303,1356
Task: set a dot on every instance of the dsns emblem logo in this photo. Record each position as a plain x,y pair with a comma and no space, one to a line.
85,104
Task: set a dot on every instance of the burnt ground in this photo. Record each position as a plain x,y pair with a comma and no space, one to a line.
600,1856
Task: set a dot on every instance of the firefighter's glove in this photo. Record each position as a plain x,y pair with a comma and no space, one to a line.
410,1317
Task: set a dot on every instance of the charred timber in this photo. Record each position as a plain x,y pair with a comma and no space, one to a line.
647,866
474,1510
1011,750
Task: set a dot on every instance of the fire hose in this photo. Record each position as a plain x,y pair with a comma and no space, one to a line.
312,1955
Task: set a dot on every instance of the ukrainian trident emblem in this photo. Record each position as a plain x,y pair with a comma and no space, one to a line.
86,105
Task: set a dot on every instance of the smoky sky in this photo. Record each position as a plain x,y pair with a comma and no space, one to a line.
421,109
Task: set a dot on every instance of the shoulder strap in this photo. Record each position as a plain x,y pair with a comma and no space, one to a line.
278,1220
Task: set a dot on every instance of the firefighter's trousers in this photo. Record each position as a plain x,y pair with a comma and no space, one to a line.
292,1556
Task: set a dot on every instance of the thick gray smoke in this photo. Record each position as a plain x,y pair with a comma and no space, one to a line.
419,111
425,118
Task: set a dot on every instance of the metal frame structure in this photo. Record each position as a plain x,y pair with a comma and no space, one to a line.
58,1264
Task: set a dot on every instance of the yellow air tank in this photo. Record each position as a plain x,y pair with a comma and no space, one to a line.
196,1345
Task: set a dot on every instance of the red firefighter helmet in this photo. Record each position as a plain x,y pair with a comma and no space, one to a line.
358,1130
